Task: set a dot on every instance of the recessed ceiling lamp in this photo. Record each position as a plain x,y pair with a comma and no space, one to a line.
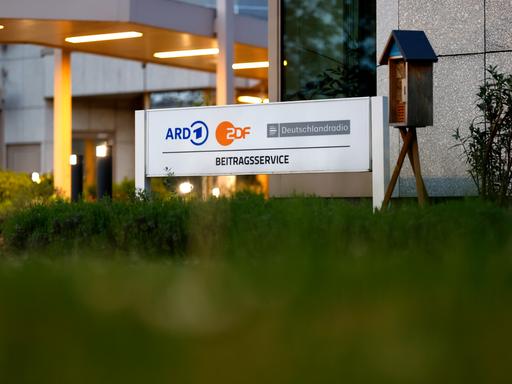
103,37
252,100
1,26
253,65
186,53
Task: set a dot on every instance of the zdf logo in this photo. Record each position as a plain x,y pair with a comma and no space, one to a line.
226,133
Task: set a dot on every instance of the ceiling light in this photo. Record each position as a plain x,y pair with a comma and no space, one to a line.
1,26
250,99
186,53
103,37
253,65
73,159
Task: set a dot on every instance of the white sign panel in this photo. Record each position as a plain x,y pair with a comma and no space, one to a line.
295,137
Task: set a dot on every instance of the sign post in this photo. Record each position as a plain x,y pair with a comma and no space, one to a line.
336,135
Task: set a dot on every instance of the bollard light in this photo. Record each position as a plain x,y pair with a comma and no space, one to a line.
36,178
185,188
216,192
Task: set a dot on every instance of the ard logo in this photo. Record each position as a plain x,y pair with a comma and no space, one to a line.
197,133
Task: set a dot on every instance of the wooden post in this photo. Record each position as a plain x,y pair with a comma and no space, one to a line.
410,148
396,171
413,154
415,163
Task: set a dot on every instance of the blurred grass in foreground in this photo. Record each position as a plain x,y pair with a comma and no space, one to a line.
251,291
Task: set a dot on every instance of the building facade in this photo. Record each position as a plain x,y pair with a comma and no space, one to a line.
467,35
312,44
106,91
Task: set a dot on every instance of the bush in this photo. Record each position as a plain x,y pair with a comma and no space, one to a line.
17,190
137,225
124,191
488,146
291,290
248,227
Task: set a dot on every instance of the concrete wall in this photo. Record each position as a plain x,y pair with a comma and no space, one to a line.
457,30
71,9
97,75
26,112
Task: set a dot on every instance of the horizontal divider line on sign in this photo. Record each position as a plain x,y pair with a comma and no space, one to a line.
256,149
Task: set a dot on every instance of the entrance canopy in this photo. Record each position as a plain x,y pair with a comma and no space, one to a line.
159,26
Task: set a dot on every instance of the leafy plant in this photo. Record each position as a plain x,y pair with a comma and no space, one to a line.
333,82
17,191
488,145
125,190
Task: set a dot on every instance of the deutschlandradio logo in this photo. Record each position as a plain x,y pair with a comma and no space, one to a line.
197,134
226,133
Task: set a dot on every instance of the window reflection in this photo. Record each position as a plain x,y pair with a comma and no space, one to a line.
328,49
180,99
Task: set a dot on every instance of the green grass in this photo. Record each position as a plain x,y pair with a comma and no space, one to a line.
249,290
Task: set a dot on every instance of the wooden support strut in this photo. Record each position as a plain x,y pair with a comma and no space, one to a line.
411,149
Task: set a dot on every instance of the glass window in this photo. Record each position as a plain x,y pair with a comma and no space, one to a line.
254,8
328,49
180,99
